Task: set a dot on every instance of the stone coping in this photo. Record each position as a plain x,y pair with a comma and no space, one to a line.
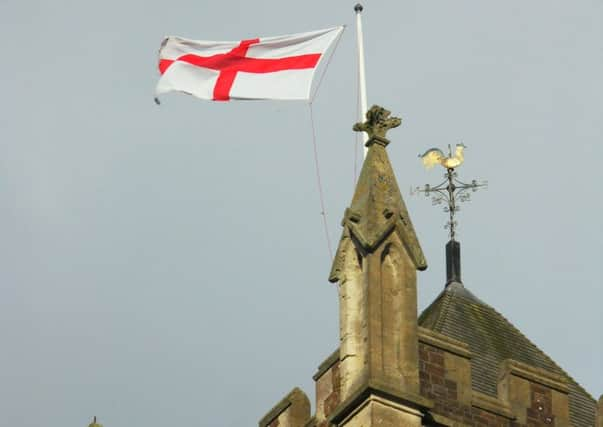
443,342
326,365
491,404
280,407
537,375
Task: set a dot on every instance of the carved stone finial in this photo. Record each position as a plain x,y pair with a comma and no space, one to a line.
378,122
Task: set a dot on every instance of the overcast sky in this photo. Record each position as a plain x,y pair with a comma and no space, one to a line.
166,266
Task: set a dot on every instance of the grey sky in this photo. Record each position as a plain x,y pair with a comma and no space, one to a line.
167,265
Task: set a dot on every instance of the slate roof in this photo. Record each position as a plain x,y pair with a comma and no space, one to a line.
458,314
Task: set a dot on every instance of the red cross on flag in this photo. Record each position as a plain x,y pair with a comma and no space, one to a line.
264,68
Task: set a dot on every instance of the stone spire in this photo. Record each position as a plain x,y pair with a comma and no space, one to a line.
377,207
375,266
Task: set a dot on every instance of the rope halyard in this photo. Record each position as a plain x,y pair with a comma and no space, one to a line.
323,211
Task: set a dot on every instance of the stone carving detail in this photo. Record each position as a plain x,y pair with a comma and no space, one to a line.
378,122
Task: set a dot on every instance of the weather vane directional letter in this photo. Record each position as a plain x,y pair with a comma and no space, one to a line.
451,190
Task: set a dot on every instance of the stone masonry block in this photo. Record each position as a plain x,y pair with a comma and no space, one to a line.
292,411
458,371
376,412
534,395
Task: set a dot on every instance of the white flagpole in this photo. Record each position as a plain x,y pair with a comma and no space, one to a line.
361,72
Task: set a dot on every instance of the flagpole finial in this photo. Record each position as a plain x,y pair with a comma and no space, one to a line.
358,8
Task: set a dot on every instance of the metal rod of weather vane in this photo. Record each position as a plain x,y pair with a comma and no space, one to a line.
361,72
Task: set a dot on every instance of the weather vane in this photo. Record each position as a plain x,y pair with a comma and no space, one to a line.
451,190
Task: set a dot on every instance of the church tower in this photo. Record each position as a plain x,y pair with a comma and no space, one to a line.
460,363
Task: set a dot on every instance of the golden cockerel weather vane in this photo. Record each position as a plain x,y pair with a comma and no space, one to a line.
451,190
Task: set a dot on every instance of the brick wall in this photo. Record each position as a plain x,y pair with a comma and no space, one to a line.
445,379
327,394
436,384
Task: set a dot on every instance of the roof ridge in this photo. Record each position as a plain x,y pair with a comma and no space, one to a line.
444,311
427,310
542,353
